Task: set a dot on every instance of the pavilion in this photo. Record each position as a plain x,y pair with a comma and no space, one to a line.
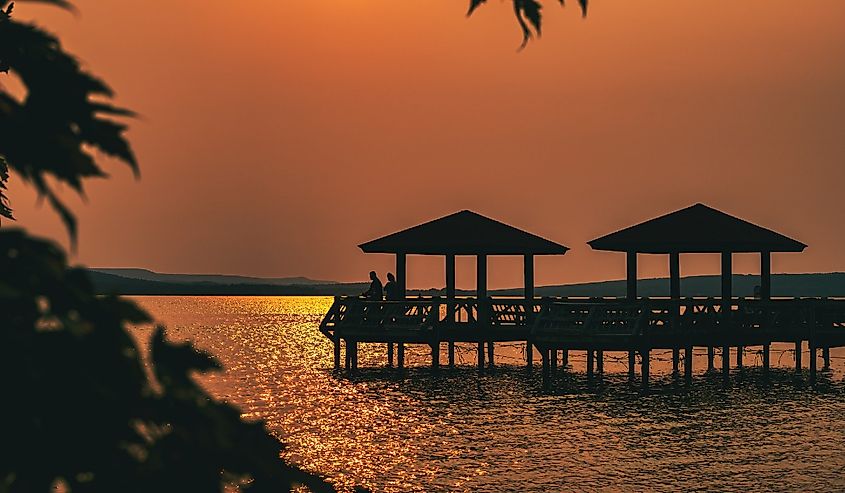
698,229
465,233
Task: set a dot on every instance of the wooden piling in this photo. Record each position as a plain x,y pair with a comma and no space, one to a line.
632,361
600,362
645,353
813,360
711,356
544,355
676,361
354,355
390,355
688,363
826,357
564,357
451,354
726,362
347,361
798,355
337,353
529,355
739,351
480,355
590,361
553,359
400,355
435,355
766,356
490,354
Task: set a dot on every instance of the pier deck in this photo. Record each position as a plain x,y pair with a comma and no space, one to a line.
595,325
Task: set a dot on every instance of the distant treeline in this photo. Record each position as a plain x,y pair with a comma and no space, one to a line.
826,284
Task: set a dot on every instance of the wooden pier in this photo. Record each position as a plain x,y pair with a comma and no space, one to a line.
634,326
552,326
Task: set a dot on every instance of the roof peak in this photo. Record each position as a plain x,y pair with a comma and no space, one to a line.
464,232
698,228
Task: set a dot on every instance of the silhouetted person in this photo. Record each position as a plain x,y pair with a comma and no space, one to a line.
391,289
375,291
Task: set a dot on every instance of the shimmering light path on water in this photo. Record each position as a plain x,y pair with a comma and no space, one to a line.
463,430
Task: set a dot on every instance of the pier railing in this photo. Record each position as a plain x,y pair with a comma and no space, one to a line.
658,318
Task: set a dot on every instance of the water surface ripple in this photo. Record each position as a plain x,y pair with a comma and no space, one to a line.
462,430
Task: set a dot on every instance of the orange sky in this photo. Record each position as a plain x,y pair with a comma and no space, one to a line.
276,136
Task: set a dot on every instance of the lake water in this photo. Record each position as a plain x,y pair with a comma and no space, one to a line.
463,430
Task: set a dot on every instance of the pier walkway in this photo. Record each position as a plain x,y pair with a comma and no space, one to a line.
553,326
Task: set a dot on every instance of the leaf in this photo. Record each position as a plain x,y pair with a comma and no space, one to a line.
474,4
5,210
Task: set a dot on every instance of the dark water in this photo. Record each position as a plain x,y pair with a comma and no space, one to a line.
463,430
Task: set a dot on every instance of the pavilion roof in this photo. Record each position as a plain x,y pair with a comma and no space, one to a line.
464,233
696,229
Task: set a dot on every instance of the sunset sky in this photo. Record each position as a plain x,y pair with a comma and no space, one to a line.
276,136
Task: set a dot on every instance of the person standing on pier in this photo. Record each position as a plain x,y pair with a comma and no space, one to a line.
391,289
375,293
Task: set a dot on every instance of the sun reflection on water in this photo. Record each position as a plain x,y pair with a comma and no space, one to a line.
462,430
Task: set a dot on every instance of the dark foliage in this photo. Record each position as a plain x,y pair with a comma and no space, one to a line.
80,409
64,117
527,14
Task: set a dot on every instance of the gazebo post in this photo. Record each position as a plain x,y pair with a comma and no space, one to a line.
401,284
766,295
482,311
727,274
401,273
528,275
450,308
675,296
450,287
631,265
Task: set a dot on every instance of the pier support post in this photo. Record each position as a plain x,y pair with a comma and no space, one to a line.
491,352
354,355
688,364
480,355
766,356
435,355
529,355
451,354
337,353
739,350
676,361
347,361
645,353
711,356
390,355
813,361
544,355
726,362
632,361
826,357
564,357
600,362
590,363
798,355
400,355
553,360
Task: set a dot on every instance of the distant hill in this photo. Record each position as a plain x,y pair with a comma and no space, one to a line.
151,283
106,281
815,284
148,275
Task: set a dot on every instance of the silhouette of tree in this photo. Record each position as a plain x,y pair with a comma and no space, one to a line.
80,410
527,14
